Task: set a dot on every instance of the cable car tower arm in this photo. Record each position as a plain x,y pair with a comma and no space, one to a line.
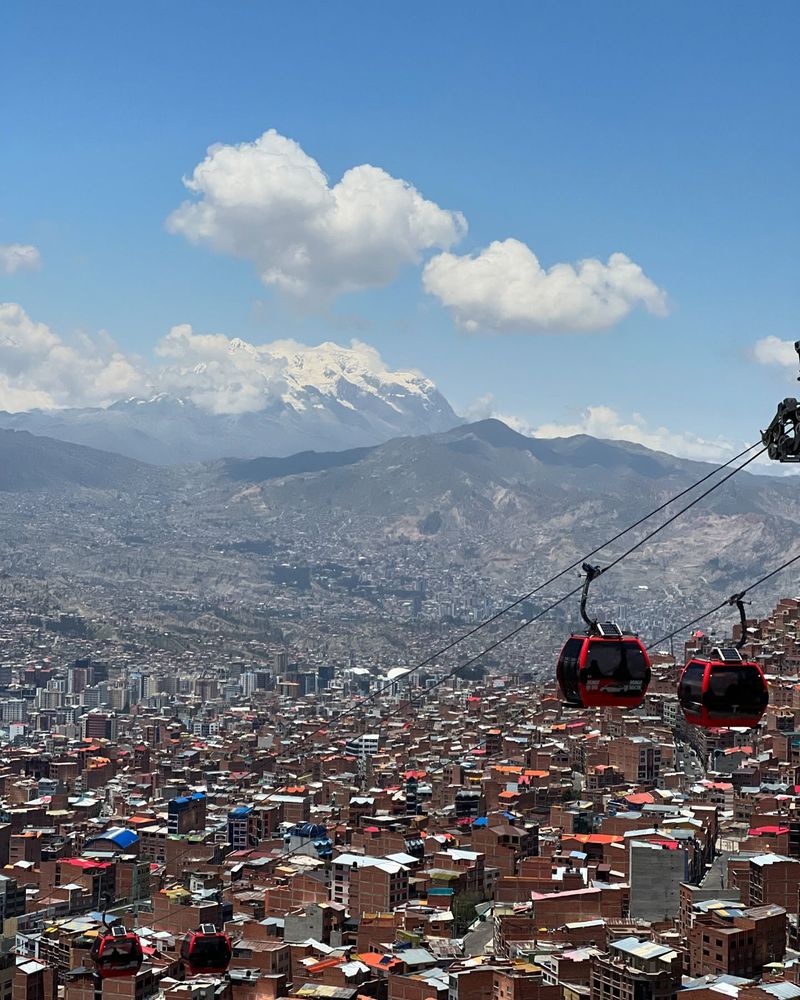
782,437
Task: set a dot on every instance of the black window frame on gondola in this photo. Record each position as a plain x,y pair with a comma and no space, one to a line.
692,683
569,667
745,702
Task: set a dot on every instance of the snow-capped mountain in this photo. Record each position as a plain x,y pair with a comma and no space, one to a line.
256,401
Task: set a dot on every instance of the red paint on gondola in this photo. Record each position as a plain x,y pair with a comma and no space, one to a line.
723,690
596,671
206,951
117,953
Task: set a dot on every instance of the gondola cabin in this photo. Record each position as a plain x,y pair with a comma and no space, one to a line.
607,667
116,953
206,950
723,690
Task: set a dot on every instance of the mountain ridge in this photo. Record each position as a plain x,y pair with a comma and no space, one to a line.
481,495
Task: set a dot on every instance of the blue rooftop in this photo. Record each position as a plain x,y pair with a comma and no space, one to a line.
118,835
183,800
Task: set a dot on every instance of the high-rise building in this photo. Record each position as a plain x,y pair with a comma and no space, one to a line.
99,725
186,813
637,757
77,679
239,827
369,885
13,710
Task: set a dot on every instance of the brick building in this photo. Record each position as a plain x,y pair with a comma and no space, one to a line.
726,940
637,758
368,885
773,879
635,970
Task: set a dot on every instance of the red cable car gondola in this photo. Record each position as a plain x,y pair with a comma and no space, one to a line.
206,950
605,666
722,689
116,953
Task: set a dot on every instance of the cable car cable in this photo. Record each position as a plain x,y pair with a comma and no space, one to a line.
763,579
554,604
466,635
509,607
674,517
726,602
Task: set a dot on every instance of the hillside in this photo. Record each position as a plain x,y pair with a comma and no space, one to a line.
29,462
473,516
508,500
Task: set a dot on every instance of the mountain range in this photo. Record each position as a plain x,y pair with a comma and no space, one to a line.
538,504
274,402
480,496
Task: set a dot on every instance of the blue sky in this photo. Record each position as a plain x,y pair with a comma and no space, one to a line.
665,132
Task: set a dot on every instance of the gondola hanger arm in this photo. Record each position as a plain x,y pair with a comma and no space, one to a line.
738,600
592,572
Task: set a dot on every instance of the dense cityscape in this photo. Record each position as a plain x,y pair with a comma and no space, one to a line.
398,840
399,508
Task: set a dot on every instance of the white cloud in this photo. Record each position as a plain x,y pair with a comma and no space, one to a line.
218,374
505,288
269,202
19,257
224,375
774,351
38,369
605,422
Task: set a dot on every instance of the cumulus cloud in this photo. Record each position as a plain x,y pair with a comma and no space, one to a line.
221,375
269,202
39,369
19,257
504,288
485,407
774,351
605,422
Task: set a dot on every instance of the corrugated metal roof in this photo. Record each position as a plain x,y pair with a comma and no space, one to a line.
642,949
784,991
